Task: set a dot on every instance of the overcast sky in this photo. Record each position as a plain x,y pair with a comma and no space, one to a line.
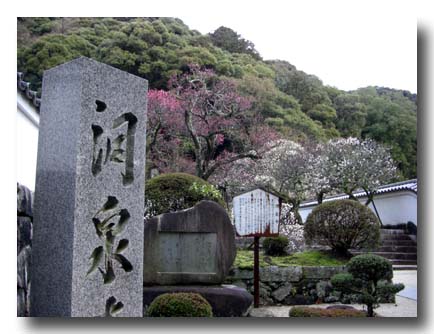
347,44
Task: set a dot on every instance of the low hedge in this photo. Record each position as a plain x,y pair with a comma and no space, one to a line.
316,312
180,304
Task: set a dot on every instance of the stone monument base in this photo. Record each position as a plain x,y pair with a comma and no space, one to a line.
225,300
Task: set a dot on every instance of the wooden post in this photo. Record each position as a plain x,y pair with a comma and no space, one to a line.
256,272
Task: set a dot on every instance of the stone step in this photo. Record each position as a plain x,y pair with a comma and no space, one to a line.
397,248
392,255
398,256
403,262
395,237
404,267
391,231
398,243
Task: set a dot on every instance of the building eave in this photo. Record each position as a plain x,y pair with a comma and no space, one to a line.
409,186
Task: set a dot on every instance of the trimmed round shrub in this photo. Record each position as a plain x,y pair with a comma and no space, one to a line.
368,281
343,225
275,246
180,304
370,268
177,191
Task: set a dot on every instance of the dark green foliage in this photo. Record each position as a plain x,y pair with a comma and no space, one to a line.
295,103
180,305
342,225
177,191
316,312
275,246
411,228
229,40
368,280
370,267
392,119
280,110
351,115
308,89
50,51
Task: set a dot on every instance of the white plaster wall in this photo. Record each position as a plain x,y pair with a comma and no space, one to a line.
396,208
304,212
393,208
26,144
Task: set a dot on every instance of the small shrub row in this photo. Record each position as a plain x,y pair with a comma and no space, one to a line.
316,312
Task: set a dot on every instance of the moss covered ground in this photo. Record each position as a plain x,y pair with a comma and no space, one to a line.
244,259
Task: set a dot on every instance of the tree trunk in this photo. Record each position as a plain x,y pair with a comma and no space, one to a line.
197,147
370,310
376,211
319,197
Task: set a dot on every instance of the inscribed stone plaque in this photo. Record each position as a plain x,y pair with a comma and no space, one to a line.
88,211
191,246
188,252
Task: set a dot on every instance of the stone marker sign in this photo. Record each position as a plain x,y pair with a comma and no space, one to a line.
191,246
88,209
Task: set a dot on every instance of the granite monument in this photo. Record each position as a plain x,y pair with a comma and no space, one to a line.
88,206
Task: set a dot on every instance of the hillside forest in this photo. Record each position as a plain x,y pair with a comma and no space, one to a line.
237,101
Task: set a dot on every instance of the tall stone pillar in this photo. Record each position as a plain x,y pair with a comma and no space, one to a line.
88,210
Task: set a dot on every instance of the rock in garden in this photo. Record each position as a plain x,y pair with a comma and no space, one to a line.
195,245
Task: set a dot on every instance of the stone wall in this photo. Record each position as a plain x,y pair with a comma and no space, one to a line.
24,243
290,285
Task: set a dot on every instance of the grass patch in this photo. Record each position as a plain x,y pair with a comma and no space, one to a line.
244,259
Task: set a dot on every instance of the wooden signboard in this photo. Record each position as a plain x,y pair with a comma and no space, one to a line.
257,214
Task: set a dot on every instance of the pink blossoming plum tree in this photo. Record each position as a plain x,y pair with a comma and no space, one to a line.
203,124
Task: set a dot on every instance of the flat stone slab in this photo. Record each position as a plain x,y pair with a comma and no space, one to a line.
225,300
195,245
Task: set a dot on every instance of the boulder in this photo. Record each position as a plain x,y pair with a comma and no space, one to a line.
282,292
196,245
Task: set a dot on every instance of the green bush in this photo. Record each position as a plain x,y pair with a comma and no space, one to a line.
368,280
177,191
370,267
343,225
275,246
180,304
314,312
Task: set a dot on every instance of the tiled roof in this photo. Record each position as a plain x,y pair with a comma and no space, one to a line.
409,185
24,86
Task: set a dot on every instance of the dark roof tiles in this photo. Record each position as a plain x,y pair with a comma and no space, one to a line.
409,185
24,86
